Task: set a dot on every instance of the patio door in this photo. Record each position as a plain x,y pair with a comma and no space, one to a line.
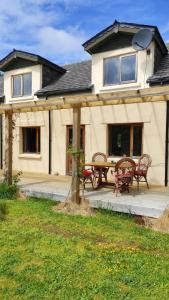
69,141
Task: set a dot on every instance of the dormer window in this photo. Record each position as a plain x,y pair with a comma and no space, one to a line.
119,69
22,85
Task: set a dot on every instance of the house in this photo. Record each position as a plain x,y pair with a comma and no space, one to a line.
41,139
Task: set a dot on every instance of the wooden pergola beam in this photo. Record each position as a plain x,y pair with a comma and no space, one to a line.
90,100
75,102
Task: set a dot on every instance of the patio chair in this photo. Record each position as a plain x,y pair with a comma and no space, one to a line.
124,172
100,157
140,174
87,176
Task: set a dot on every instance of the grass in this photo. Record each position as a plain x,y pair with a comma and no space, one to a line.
45,255
3,210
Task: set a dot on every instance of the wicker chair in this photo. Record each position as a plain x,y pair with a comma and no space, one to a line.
100,157
140,174
124,172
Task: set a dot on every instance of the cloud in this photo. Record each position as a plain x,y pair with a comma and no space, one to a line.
37,26
61,43
57,28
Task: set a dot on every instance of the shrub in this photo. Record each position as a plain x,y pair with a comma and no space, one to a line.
3,211
9,191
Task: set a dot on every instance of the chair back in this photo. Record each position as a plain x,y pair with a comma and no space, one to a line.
144,162
125,166
99,156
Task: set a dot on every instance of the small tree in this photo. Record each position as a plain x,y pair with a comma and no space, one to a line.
75,204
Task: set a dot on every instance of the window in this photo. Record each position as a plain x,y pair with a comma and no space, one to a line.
17,86
31,139
125,140
119,69
22,85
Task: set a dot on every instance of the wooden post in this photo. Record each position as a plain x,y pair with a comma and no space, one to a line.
8,147
75,187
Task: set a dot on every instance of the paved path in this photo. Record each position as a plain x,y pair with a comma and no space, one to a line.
150,203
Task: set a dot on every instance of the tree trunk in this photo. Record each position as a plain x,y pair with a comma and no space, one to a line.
8,148
75,187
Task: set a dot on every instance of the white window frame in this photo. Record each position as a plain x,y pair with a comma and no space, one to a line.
22,78
120,58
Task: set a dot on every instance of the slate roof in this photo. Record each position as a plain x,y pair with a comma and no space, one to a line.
76,79
162,74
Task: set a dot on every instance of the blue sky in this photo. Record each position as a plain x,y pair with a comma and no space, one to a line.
56,29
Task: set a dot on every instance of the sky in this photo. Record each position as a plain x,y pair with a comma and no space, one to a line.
56,29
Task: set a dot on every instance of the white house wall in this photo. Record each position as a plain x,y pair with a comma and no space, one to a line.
144,69
28,162
152,115
36,83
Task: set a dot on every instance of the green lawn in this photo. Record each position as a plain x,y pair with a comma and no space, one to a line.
45,255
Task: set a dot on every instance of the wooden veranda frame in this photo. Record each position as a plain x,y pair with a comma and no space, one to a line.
75,102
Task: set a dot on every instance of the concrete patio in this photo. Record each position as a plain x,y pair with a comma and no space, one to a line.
149,203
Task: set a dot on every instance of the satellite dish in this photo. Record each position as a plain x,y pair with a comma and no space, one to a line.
142,39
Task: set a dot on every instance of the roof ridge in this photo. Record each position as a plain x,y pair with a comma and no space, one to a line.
38,58
76,63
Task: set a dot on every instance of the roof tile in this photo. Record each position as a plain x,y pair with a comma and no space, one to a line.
77,77
162,73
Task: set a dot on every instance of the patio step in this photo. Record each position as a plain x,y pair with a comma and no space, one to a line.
150,205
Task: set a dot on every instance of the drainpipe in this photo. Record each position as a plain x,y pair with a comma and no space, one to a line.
1,143
50,141
166,145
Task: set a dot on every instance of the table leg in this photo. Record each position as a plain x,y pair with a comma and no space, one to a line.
100,177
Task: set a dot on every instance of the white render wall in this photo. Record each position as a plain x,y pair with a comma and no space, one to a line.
152,115
28,162
36,83
144,69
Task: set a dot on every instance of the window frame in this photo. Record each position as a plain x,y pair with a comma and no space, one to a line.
14,76
132,125
38,139
120,58
22,85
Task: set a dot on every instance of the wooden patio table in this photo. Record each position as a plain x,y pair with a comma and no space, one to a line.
101,165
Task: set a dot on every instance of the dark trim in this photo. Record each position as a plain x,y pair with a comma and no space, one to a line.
2,98
116,23
159,80
62,92
50,142
166,145
1,141
100,33
37,59
88,44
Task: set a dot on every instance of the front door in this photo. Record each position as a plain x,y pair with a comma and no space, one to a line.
69,144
